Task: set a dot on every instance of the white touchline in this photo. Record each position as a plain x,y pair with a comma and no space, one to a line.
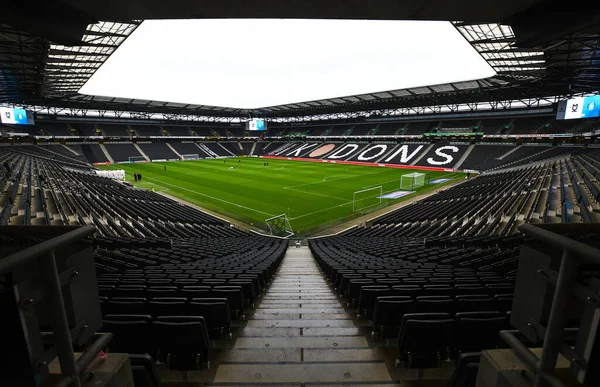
212,197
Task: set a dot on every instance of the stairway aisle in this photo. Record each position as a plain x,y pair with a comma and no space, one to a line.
300,333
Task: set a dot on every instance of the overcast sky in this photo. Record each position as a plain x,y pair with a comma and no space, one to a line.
253,63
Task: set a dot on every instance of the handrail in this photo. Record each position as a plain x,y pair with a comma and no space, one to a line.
29,254
579,249
45,254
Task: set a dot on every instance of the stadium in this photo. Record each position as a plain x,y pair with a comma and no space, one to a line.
299,193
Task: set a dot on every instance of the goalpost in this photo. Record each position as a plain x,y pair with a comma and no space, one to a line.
412,180
367,198
190,157
279,226
137,159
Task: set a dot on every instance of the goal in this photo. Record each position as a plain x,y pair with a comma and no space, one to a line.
190,157
279,226
367,198
412,180
137,159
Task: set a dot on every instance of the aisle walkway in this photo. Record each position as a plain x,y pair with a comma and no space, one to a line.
300,333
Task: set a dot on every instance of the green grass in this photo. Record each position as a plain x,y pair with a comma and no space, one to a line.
314,196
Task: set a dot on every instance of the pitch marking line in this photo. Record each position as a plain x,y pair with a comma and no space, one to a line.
212,197
391,181
318,194
345,204
339,178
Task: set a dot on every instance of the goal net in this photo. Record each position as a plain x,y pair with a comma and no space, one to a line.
190,157
412,180
279,226
137,159
367,198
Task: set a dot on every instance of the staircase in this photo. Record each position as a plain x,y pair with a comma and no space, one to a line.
301,333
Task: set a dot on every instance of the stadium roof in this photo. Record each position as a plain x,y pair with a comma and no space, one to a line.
542,53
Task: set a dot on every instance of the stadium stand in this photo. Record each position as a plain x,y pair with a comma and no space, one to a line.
185,148
158,151
232,147
526,125
55,128
391,129
123,152
214,149
182,131
85,129
204,131
94,153
147,130
114,130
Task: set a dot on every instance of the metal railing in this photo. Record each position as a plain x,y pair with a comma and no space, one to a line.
573,253
44,254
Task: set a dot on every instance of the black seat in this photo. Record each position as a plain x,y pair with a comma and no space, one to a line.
435,304
168,307
129,336
368,295
216,313
234,296
191,292
475,302
465,373
184,345
478,333
388,313
144,371
424,342
125,307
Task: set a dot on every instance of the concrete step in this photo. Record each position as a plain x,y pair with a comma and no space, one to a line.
303,372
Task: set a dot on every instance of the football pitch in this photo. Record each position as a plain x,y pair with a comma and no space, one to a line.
314,196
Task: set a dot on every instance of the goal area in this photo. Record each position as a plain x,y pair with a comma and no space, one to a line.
367,198
412,180
279,226
194,156
137,159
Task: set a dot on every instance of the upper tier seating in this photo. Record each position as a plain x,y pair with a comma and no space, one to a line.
85,129
204,131
183,131
115,130
56,128
147,130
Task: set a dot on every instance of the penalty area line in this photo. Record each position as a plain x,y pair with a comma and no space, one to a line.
212,197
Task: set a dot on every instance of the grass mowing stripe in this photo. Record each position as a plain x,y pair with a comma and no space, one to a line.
311,194
212,197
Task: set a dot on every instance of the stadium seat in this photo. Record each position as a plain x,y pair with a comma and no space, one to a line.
424,342
465,373
216,313
478,331
388,313
145,373
182,345
130,335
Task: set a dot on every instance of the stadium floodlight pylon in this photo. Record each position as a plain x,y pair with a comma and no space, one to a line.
412,180
367,198
194,156
279,226
137,159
